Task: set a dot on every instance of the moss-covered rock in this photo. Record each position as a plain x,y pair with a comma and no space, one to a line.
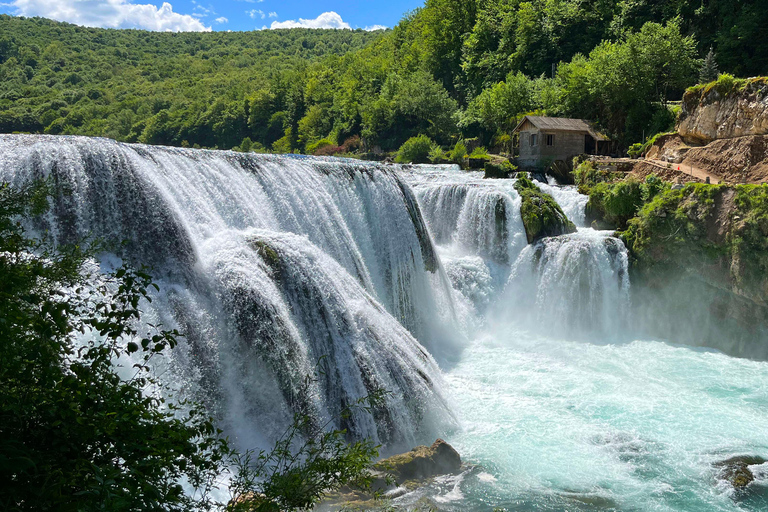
736,470
252,502
611,205
498,170
422,462
719,228
541,214
267,253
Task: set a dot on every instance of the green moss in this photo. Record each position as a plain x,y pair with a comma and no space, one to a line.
695,227
501,170
724,86
541,214
587,175
613,204
268,254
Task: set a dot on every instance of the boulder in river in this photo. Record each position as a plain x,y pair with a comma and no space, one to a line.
422,462
736,470
541,214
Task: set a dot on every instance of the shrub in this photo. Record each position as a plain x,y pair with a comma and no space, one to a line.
635,150
313,147
329,150
479,152
437,155
458,153
352,144
587,175
615,203
415,150
246,145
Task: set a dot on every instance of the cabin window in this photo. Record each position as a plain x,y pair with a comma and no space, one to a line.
550,140
534,139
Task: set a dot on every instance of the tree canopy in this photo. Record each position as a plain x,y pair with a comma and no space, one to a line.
450,69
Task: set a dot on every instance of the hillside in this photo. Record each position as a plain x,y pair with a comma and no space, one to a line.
448,70
64,79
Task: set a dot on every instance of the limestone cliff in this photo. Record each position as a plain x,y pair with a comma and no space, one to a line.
734,160
724,109
700,261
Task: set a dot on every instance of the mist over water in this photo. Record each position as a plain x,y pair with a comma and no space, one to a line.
419,281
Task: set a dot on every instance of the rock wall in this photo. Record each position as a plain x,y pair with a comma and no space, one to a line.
724,110
700,261
733,160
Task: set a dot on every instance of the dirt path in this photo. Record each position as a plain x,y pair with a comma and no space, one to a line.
686,169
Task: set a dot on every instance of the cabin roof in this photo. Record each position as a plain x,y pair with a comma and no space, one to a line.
562,124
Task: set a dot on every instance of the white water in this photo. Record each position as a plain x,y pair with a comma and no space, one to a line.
270,263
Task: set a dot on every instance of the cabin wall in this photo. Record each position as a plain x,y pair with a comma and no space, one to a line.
530,156
566,145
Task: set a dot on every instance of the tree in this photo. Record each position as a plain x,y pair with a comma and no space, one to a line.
73,434
709,70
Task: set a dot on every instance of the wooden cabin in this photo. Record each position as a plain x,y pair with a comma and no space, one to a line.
545,140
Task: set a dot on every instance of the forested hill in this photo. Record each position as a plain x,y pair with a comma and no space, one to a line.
452,69
62,78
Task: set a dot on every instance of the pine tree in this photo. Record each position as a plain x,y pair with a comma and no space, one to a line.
709,71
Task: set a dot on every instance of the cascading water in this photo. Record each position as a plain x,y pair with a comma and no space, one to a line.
357,278
277,267
574,282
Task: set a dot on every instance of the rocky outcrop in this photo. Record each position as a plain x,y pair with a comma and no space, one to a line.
736,470
541,214
497,171
733,160
724,109
422,462
397,475
699,264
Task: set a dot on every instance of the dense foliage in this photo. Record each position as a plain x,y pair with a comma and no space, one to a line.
451,69
84,424
416,150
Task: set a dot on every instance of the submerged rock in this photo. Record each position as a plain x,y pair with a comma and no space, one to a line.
423,462
541,214
736,470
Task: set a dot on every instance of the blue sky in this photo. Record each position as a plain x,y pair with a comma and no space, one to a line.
185,15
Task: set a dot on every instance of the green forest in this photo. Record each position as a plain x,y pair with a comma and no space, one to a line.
450,70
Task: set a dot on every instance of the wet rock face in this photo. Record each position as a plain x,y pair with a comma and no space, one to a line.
709,113
542,216
736,470
423,462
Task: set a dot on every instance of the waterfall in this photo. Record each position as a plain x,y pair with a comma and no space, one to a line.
276,267
477,217
573,284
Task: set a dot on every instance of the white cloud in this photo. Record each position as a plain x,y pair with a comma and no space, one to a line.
325,20
256,13
221,20
376,27
111,14
273,14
